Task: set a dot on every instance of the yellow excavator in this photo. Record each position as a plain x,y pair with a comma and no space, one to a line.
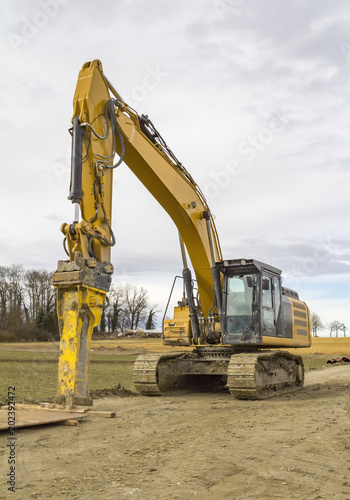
231,313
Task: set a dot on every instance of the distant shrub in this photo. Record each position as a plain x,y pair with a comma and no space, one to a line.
6,336
43,335
25,332
30,332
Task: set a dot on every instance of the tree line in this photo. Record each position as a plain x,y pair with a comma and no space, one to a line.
28,306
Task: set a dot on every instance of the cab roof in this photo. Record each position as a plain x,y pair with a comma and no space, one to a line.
246,266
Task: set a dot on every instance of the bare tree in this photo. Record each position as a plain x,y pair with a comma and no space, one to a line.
11,296
27,303
343,328
40,292
127,307
136,304
3,296
103,322
115,312
316,324
335,326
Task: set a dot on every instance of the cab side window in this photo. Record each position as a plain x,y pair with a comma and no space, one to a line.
266,292
268,314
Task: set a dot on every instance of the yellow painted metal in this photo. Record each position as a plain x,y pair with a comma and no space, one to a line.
301,332
166,180
301,322
284,342
181,312
91,95
79,311
80,305
177,331
179,195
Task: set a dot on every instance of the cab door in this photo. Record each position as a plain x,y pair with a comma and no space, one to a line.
271,310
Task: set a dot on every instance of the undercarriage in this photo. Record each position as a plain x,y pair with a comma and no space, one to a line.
247,375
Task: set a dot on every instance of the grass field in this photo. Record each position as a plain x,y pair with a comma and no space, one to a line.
328,346
320,345
32,367
34,374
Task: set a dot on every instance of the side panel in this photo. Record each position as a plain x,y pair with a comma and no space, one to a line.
288,343
297,327
301,320
177,331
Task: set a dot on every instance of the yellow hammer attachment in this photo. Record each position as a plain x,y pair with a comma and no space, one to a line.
79,309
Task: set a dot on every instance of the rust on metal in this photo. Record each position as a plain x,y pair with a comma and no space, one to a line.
344,359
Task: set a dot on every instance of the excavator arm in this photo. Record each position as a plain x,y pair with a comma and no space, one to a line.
103,125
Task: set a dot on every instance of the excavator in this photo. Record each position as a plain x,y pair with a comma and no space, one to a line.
233,317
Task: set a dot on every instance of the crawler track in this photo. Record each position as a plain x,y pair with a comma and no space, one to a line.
258,375
264,375
147,373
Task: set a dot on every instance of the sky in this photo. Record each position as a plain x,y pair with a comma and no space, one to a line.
251,95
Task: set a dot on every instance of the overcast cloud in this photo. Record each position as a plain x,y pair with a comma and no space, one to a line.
251,95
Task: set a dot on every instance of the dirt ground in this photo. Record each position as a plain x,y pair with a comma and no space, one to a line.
202,445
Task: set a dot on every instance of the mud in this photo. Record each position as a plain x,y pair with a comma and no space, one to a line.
112,391
202,445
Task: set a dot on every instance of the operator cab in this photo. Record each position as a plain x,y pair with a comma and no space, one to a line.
252,297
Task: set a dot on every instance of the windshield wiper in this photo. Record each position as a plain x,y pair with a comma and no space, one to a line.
246,331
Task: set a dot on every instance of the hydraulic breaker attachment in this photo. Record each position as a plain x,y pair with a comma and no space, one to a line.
81,291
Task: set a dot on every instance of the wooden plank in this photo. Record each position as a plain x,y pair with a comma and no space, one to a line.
30,417
25,407
107,414
70,422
